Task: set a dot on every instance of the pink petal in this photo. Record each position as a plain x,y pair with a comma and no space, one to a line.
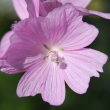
82,3
30,30
69,10
85,12
42,31
54,27
81,65
79,34
43,0
21,8
33,8
45,78
42,10
68,32
13,67
92,58
4,66
51,5
22,53
47,30
7,68
5,42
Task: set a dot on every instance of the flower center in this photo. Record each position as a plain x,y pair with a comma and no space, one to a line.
53,55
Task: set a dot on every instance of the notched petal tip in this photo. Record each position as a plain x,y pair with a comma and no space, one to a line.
55,103
103,58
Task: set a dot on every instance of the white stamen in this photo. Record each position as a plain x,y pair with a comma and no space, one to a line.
54,57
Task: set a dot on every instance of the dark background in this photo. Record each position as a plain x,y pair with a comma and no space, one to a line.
98,94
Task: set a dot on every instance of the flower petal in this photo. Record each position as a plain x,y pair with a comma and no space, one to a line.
5,42
85,12
51,5
44,77
21,8
81,65
79,34
4,66
7,68
54,27
50,29
42,10
21,53
30,31
67,29
82,3
33,8
43,30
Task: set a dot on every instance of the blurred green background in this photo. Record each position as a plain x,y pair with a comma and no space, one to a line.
98,94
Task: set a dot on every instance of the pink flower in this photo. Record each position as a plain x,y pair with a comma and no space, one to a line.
36,8
41,8
52,51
